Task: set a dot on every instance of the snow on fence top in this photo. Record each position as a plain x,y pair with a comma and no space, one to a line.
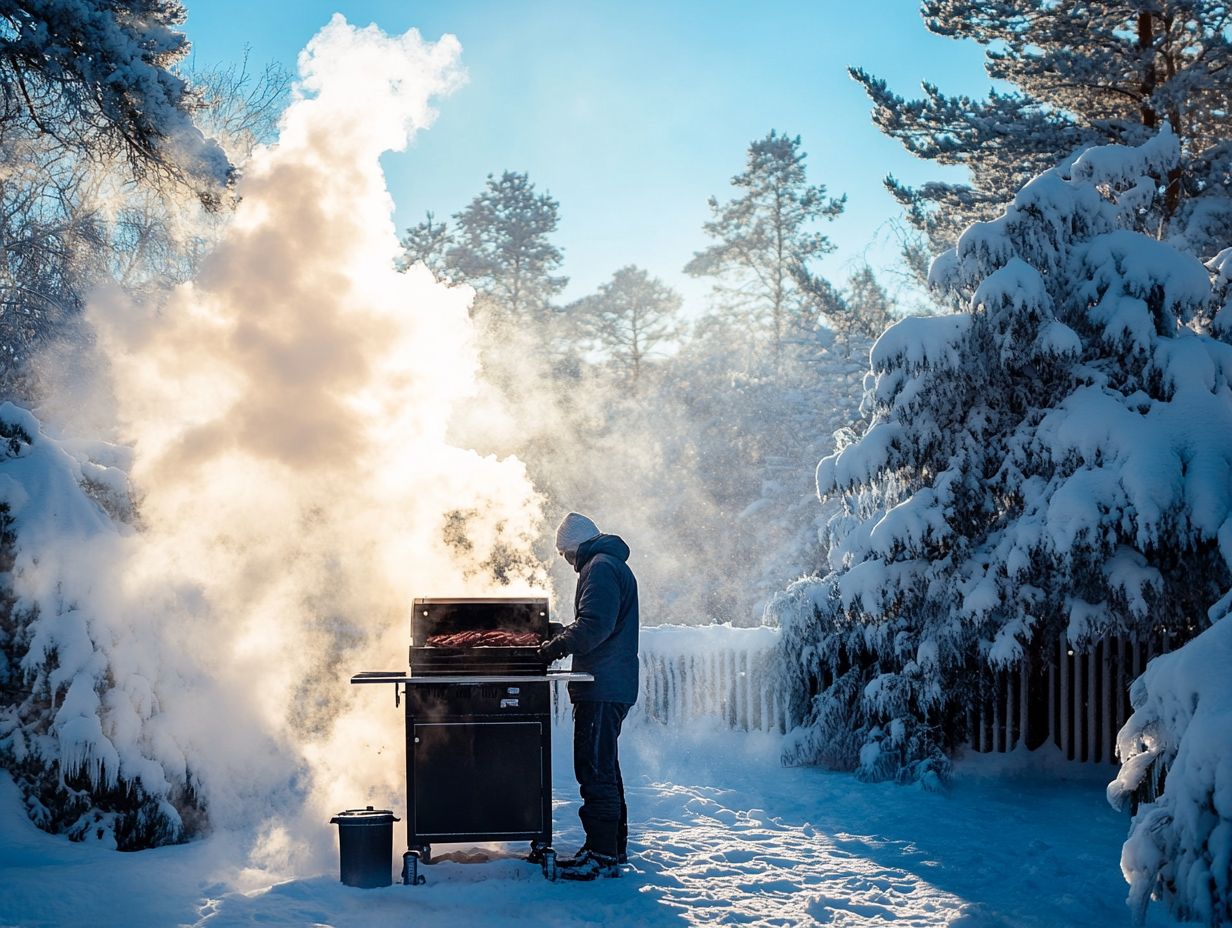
712,672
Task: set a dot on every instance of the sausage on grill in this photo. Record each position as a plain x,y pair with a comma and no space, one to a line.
494,638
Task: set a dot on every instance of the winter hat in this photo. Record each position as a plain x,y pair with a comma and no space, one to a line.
574,529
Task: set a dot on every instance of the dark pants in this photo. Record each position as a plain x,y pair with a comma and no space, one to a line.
605,817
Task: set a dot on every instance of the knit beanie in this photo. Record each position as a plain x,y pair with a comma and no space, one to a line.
573,531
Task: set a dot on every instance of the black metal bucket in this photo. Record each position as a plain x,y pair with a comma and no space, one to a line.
365,846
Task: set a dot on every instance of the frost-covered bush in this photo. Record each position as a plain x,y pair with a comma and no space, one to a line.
80,725
1054,457
1180,845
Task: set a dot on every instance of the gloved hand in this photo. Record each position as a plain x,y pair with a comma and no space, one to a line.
555,649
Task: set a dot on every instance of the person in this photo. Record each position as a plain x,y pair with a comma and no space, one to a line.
603,642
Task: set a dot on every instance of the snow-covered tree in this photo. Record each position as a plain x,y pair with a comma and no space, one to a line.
72,214
1180,735
630,318
1055,457
98,77
82,731
766,240
1080,73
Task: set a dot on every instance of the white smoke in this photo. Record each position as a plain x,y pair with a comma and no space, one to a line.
289,411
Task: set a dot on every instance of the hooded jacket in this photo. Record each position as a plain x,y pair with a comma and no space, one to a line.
603,636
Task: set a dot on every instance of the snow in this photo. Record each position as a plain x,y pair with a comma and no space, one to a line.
918,341
1138,287
1119,166
722,835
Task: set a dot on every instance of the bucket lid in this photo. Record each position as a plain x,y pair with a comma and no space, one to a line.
364,816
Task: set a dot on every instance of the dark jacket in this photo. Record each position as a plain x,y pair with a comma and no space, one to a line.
603,636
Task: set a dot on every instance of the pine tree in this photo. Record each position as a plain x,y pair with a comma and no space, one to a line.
1082,73
428,243
1031,468
630,317
857,314
500,245
766,240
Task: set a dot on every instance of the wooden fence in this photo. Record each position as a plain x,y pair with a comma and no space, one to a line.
1076,699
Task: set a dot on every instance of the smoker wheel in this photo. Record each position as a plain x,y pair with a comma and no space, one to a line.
536,852
549,864
425,853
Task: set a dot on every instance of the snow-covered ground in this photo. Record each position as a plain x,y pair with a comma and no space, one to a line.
723,835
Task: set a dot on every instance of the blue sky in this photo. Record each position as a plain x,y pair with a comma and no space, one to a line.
632,113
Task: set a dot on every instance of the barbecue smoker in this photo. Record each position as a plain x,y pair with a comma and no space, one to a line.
478,727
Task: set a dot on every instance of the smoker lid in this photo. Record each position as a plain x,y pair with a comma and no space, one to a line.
440,616
365,816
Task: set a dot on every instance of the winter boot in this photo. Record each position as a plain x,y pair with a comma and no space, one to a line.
590,866
583,853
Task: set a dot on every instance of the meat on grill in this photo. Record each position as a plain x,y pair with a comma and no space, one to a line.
493,638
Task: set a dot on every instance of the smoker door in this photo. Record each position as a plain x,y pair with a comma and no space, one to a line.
477,780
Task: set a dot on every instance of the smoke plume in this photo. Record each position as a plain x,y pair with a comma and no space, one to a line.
296,487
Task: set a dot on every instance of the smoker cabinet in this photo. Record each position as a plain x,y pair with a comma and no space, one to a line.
478,764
